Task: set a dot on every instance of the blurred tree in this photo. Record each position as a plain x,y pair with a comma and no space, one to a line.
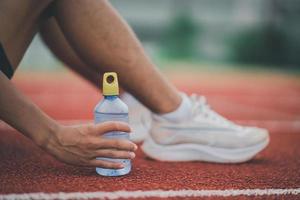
276,42
264,45
179,39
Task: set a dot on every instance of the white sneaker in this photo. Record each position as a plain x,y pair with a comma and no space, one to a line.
205,136
139,118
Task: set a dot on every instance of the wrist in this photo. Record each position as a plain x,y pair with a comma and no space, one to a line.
46,134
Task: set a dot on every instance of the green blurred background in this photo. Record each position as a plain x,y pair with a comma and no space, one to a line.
214,34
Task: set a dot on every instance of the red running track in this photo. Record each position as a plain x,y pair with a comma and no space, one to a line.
270,101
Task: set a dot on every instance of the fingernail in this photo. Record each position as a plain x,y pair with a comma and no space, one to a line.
135,147
132,155
121,165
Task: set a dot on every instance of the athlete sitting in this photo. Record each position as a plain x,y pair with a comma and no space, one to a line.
91,38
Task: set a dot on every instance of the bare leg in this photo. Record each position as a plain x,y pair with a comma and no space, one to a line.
19,23
55,40
103,40
60,47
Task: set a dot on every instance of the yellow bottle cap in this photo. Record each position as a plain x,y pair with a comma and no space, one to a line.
110,84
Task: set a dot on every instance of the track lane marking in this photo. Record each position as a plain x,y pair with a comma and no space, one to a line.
271,125
151,193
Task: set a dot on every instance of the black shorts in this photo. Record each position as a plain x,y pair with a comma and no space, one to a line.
5,66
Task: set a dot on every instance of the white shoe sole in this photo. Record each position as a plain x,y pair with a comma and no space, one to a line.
198,152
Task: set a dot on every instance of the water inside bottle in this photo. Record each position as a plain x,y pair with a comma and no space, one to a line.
103,117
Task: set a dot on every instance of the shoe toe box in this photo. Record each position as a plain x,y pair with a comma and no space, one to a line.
255,135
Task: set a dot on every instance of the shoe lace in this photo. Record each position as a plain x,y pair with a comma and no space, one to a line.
201,109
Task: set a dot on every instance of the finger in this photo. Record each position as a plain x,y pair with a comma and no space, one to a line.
120,144
105,164
110,153
105,127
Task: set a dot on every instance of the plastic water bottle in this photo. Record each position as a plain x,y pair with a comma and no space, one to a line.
112,108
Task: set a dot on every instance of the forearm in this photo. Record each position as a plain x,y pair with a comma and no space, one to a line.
19,112
78,145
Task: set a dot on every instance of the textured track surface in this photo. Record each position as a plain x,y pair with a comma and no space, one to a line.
271,101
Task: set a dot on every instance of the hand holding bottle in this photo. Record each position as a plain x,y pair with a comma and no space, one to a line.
80,145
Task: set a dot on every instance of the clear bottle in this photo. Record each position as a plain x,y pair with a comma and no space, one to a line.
112,108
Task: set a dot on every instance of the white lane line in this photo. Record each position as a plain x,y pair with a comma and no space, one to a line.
151,193
271,125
